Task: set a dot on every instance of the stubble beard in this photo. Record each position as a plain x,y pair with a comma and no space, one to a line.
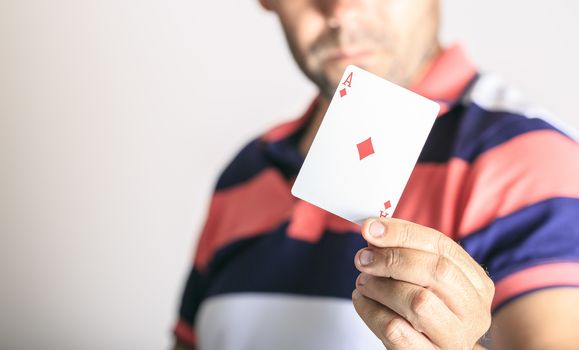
398,69
312,61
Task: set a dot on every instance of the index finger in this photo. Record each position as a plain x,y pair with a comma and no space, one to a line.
390,232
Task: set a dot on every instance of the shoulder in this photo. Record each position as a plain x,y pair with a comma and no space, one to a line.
521,159
248,162
259,153
498,115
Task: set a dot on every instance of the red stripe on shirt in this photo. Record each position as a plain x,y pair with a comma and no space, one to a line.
252,208
309,222
431,195
528,169
542,276
185,334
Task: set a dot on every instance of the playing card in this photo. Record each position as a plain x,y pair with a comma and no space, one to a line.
366,147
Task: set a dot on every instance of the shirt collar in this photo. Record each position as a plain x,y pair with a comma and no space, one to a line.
447,78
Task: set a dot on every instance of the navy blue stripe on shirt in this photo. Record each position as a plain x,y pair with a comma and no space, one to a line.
527,237
249,162
440,142
258,155
276,263
193,295
482,130
466,132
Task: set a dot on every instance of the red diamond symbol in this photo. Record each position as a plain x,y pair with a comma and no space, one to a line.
387,206
365,148
343,92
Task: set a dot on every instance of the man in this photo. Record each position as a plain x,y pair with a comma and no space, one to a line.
494,186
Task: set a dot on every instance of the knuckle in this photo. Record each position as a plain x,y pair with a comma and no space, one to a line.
491,287
444,246
489,293
480,327
487,321
421,302
487,290
394,331
480,324
405,233
442,269
393,258
485,275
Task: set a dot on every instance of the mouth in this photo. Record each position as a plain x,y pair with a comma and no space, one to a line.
348,55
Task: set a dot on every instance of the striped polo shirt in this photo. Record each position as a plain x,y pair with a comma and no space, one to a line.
496,174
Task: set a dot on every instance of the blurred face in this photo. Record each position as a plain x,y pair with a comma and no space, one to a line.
391,38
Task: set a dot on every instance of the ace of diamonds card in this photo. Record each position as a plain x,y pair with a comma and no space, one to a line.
366,147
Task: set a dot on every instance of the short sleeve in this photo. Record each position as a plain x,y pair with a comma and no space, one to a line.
520,213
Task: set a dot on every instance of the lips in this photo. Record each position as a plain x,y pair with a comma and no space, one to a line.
348,55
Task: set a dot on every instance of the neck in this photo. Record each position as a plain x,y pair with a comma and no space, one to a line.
324,102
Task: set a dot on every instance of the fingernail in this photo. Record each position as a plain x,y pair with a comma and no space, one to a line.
363,279
366,257
377,229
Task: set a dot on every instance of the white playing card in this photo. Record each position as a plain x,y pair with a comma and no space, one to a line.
366,147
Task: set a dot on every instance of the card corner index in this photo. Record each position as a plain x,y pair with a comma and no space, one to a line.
351,68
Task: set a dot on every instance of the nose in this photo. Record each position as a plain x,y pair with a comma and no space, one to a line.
339,12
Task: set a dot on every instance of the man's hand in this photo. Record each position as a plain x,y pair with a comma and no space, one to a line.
418,289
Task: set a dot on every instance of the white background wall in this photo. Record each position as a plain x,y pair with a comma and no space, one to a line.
116,116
